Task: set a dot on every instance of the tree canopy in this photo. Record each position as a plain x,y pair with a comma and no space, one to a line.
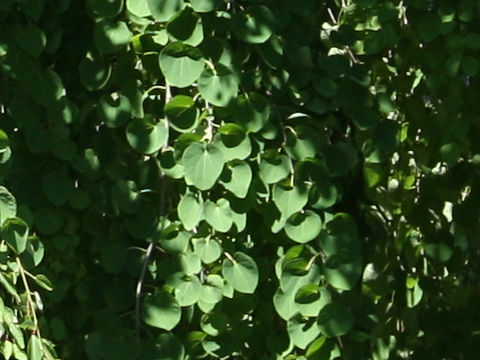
239,179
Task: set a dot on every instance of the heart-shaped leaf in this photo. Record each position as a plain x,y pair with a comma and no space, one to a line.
182,113
303,227
289,200
208,249
255,25
335,320
161,310
237,178
181,64
203,165
218,85
241,272
302,331
146,136
14,232
219,215
190,210
163,10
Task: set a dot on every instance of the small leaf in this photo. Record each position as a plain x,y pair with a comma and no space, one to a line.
146,136
238,178
203,165
205,5
15,233
255,25
273,167
94,73
241,273
181,64
335,320
32,40
111,36
214,323
343,269
303,227
34,348
182,113
138,8
8,205
163,10
190,210
219,215
161,310
289,200
208,249
187,292
302,331
218,85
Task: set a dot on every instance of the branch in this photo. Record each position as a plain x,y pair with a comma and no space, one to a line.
148,254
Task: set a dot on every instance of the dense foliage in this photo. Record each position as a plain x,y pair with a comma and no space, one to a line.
239,179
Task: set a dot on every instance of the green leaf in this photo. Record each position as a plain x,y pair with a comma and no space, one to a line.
161,310
6,348
310,299
187,292
302,142
303,227
34,252
205,5
34,348
190,262
14,232
58,187
241,272
44,282
186,26
302,331
17,334
251,110
203,165
212,291
181,64
8,284
439,251
335,320
237,178
138,8
94,73
273,167
289,200
163,10
219,214
214,323
208,249
343,269
114,111
233,142
182,113
32,40
164,347
125,196
254,25
106,8
173,240
284,303
190,210
146,136
341,234
322,195
111,36
8,205
218,85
